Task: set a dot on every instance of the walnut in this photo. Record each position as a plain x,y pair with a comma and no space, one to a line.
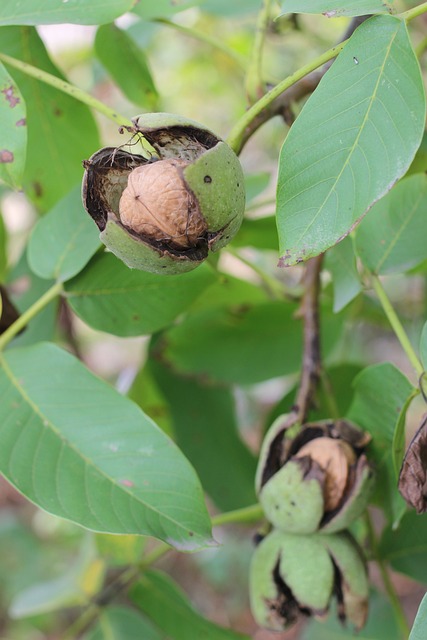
158,204
334,457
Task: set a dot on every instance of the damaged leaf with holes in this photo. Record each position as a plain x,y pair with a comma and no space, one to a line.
166,212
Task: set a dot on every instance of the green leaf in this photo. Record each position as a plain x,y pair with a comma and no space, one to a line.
225,8
68,590
31,288
419,629
61,130
206,431
260,233
168,607
381,624
110,297
120,550
13,131
423,346
391,238
419,164
3,249
256,183
149,9
229,291
341,262
356,135
127,65
64,240
123,623
78,449
269,343
382,396
147,395
336,8
34,12
405,547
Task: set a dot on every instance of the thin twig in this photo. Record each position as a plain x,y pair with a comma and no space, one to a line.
283,104
311,362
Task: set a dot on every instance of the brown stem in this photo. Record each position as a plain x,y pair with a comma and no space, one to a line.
283,105
311,368
311,361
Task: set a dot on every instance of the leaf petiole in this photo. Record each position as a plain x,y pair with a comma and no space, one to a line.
30,313
396,325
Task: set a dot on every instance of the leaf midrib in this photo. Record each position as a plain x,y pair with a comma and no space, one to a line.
355,145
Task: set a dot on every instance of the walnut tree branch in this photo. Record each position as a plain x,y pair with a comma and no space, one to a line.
282,106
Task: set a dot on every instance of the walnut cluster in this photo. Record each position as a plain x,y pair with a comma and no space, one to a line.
158,205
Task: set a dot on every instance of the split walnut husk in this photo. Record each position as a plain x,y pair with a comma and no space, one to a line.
293,576
318,479
165,213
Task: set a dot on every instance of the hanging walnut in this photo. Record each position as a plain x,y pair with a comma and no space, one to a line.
165,214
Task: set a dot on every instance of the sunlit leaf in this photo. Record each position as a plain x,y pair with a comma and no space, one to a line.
356,135
32,12
81,451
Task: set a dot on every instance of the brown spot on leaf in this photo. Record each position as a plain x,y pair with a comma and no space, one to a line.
10,96
57,112
413,474
6,156
38,191
21,123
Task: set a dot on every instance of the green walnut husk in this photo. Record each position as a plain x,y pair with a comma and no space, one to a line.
293,576
315,479
207,174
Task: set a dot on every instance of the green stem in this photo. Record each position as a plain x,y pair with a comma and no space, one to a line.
244,515
30,313
399,613
66,87
397,326
207,39
236,134
421,47
414,12
254,83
